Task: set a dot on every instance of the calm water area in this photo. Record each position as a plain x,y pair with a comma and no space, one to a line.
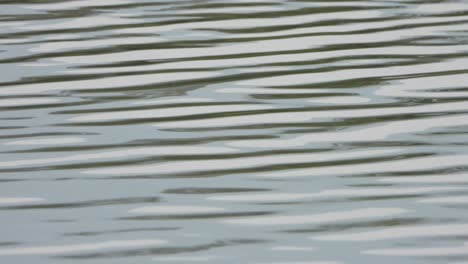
234,131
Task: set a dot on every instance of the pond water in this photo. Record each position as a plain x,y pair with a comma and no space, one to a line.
229,131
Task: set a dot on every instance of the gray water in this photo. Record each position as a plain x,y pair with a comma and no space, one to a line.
229,131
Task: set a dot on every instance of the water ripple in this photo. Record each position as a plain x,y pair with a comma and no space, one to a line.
233,131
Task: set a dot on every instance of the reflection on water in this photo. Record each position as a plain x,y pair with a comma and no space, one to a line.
222,131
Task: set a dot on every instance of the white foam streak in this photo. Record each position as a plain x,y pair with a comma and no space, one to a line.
334,193
392,166
316,218
351,74
166,112
122,153
103,83
76,248
448,200
447,178
290,117
19,200
236,163
374,133
421,252
175,210
399,233
47,141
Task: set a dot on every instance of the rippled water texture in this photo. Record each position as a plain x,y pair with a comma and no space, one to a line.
233,131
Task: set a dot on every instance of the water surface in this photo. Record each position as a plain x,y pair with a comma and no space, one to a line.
228,131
